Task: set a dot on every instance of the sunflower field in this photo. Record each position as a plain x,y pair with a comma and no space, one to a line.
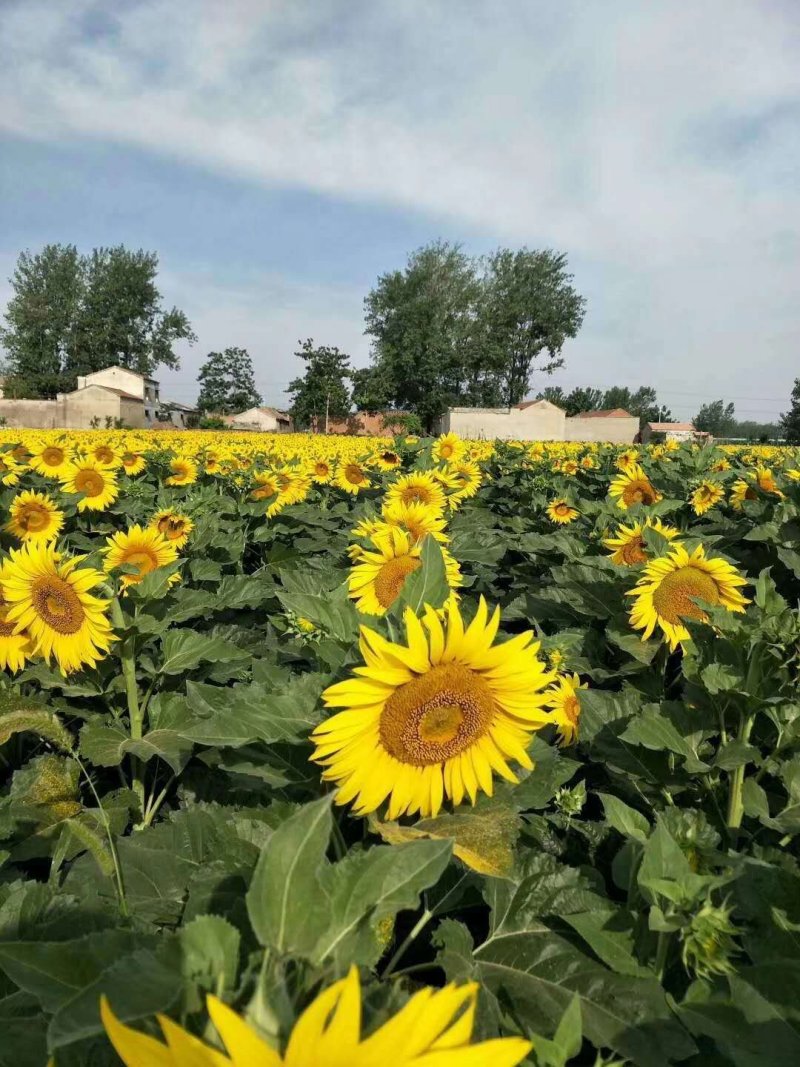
348,752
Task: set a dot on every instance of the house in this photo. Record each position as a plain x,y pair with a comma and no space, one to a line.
672,431
129,383
369,424
172,415
263,419
539,420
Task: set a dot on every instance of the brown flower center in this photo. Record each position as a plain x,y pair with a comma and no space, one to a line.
391,578
142,559
354,474
673,597
33,518
57,604
53,457
416,494
639,491
634,551
437,715
103,454
90,483
572,710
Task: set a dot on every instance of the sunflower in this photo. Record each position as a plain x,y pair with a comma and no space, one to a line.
566,707
144,549
133,463
627,459
49,598
435,717
10,469
378,577
352,477
670,585
183,471
420,487
588,463
705,496
569,467
15,648
267,485
293,487
50,461
765,480
741,491
448,448
633,486
97,485
387,460
433,1027
173,525
106,456
467,479
628,544
418,520
561,511
34,517
321,471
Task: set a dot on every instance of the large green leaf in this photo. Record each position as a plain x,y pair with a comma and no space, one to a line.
427,584
107,746
185,650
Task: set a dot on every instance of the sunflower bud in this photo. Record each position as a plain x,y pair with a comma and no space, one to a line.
708,942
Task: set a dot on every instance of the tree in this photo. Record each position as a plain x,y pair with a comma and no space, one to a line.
529,308
554,394
790,421
422,324
716,418
643,403
583,400
322,393
71,314
227,383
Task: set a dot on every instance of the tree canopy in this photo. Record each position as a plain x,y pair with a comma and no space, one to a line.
227,383
322,393
790,421
72,314
451,329
641,402
716,418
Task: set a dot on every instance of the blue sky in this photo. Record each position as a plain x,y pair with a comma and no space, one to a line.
280,156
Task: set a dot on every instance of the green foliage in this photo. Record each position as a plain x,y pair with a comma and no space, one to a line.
227,383
790,421
716,418
322,393
71,314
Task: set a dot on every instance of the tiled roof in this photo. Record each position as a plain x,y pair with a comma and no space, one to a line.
662,427
605,413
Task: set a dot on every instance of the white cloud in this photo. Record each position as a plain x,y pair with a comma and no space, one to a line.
656,143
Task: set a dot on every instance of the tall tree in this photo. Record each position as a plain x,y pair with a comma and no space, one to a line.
716,418
530,309
643,402
422,324
70,314
227,383
790,421
554,394
583,399
321,394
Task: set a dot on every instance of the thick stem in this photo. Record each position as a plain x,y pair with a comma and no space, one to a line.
128,661
662,948
735,805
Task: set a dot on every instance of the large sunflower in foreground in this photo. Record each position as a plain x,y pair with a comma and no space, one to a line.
632,486
667,592
174,525
434,718
50,598
378,577
144,549
433,1029
96,485
628,546
34,517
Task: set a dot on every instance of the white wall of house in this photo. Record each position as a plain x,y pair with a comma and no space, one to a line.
614,429
541,421
129,382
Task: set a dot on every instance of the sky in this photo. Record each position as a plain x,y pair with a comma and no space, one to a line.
280,155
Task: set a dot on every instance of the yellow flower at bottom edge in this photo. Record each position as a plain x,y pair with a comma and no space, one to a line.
434,718
377,578
669,586
433,1028
145,549
566,707
34,517
49,598
561,511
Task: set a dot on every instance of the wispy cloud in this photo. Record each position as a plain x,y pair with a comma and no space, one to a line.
657,143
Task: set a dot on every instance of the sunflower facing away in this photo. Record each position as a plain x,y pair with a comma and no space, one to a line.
34,517
378,577
628,544
705,496
96,485
566,707
633,486
740,492
561,511
433,1029
174,525
49,597
144,549
467,479
421,487
666,593
433,718
15,648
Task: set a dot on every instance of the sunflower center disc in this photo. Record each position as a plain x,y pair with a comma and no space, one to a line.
639,492
57,604
141,559
673,598
436,716
634,551
354,474
415,494
572,709
390,578
53,457
89,483
33,519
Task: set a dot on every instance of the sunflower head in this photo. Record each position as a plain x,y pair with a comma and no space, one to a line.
420,487
632,487
34,517
561,511
95,485
351,476
173,525
628,545
143,549
705,496
183,471
566,708
448,448
378,577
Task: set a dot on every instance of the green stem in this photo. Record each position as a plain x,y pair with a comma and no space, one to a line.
128,661
735,805
101,813
420,925
662,948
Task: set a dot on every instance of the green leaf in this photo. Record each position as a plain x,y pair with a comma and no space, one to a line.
550,771
609,933
427,584
624,819
210,947
652,729
286,901
107,746
184,650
